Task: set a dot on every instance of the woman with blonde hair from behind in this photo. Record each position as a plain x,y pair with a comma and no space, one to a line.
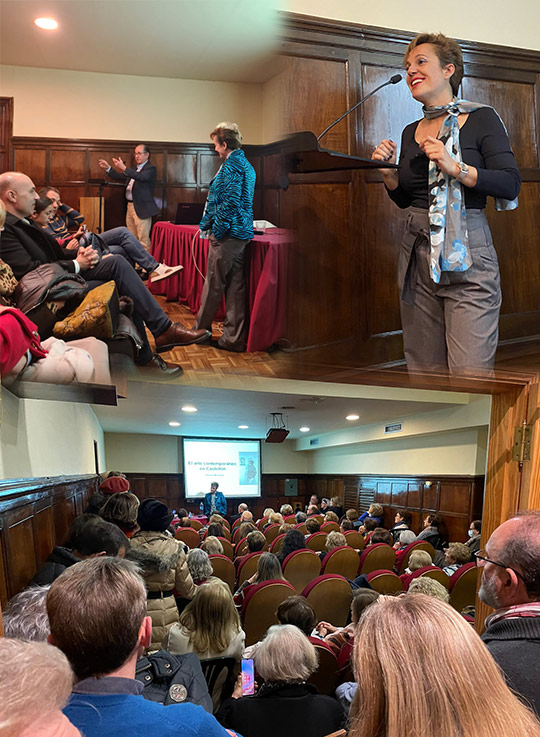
413,660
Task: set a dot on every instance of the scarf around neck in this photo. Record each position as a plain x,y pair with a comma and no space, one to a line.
449,238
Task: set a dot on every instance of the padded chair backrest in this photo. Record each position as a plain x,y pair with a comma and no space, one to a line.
227,524
330,595
302,527
300,568
355,539
277,544
377,557
431,572
290,519
260,607
248,567
329,527
226,534
261,523
316,542
343,560
196,524
271,533
235,535
318,517
236,523
238,546
218,673
463,584
224,569
228,549
416,545
385,582
326,676
189,536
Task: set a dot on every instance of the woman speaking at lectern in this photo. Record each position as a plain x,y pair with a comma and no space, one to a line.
450,161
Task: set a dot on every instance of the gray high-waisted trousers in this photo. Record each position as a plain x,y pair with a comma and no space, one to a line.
454,324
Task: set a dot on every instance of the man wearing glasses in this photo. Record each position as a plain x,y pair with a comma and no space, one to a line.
510,584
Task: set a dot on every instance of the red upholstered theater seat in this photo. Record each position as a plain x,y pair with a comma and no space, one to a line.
406,553
290,519
376,557
316,542
189,536
355,539
385,582
248,567
260,607
463,584
262,522
300,568
431,572
325,677
224,569
196,524
302,527
277,544
228,549
330,595
343,560
329,527
271,533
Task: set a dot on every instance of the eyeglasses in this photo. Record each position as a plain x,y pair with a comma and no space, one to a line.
480,555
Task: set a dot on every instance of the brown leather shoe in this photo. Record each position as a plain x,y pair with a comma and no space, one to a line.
178,335
157,368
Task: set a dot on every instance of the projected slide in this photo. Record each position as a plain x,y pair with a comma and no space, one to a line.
234,464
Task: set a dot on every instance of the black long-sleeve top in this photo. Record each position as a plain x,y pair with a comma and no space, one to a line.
484,145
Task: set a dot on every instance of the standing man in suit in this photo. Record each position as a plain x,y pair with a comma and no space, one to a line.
214,501
140,183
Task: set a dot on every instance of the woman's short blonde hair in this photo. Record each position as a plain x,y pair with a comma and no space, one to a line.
448,52
331,517
429,587
286,509
459,552
285,655
419,559
228,133
335,539
212,545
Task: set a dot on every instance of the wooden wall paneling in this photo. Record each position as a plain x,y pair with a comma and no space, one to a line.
6,131
182,168
20,549
429,497
68,166
64,513
43,530
414,495
32,162
4,596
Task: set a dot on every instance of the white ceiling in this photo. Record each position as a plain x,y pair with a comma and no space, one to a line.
218,40
149,408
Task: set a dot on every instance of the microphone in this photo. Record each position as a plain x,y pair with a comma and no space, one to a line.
393,80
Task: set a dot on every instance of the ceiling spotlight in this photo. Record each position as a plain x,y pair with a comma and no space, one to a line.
351,418
189,408
304,429
48,24
243,427
174,424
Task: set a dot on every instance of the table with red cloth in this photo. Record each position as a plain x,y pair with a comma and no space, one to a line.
266,277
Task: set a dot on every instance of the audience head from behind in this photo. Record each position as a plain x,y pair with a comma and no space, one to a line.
346,525
331,517
268,511
90,536
313,509
242,507
405,538
212,545
255,541
419,559
121,509
437,650
115,483
246,516
361,600
293,540
429,587
285,655
300,517
335,540
245,528
36,683
184,522
312,526
284,528
370,524
380,535
44,211
154,516
298,611
215,529
457,553
352,515
199,565
25,616
268,568
285,510
276,518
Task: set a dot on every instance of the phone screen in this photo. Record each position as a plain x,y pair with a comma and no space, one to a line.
248,677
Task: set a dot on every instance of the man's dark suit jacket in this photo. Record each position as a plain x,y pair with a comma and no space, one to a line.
25,247
143,188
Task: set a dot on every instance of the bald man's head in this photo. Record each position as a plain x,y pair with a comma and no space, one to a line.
18,193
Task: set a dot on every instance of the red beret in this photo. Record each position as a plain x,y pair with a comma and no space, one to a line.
114,484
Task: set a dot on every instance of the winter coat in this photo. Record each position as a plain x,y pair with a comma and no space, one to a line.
164,568
57,562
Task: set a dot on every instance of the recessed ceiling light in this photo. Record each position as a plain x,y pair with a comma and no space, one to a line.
189,408
351,418
304,429
174,424
48,24
243,427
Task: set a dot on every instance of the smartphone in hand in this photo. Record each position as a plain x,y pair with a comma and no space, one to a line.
248,677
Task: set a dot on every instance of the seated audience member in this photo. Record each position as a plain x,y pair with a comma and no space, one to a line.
380,535
25,616
352,515
300,517
375,512
268,569
284,659
432,532
212,545
121,509
421,633
214,529
455,556
163,565
333,540
313,502
243,507
25,246
255,541
247,516
285,510
474,532
209,626
313,509
98,619
293,540
276,518
429,587
28,711
89,536
336,506
346,525
298,611
183,522
331,517
268,511
245,528
200,567
510,584
118,240
114,483
369,525
402,522
418,559
325,503
405,539
284,528
312,525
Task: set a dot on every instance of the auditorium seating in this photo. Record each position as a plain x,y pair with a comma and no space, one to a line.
228,549
262,522
376,557
219,677
463,584
224,569
416,545
290,519
271,532
355,539
189,536
277,544
316,541
196,524
329,527
302,527
343,560
385,582
330,595
325,677
300,568
430,572
260,606
248,567
235,534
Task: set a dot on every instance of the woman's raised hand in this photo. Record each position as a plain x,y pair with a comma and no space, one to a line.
385,151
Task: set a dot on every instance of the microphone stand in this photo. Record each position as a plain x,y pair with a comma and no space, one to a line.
100,193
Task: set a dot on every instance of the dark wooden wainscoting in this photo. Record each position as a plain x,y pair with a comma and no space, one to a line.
35,515
457,498
349,231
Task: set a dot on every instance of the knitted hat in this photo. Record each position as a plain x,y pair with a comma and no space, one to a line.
154,515
114,484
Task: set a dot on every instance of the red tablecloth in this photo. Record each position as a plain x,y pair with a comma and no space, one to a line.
266,277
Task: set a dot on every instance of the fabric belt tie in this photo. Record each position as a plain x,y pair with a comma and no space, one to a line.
158,594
